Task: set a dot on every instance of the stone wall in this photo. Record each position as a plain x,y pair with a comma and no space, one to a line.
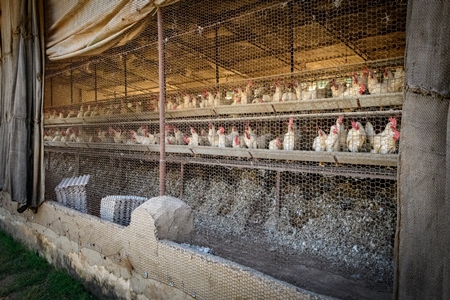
138,261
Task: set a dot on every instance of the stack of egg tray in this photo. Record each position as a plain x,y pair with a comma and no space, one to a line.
118,209
71,192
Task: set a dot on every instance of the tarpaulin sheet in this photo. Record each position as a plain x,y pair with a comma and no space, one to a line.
89,27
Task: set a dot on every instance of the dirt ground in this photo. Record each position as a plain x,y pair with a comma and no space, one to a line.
308,273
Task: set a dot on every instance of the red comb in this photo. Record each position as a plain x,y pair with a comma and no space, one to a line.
362,88
393,121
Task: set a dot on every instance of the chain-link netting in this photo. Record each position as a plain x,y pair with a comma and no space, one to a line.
282,125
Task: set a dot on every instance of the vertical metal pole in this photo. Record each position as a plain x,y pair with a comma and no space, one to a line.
122,175
277,204
162,96
95,81
181,180
77,165
125,83
71,86
51,91
291,33
217,55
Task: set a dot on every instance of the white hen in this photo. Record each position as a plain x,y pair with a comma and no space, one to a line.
356,137
370,132
250,140
319,143
81,112
213,138
389,143
338,89
146,139
247,94
289,96
88,112
234,132
193,140
237,142
374,86
276,97
275,144
261,95
142,130
309,91
290,137
117,135
219,100
237,97
395,81
209,98
358,87
179,136
332,141
203,138
385,141
223,142
169,138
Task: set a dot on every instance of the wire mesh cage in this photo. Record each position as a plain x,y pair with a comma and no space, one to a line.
282,121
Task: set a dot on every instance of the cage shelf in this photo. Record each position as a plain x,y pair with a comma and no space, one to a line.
344,168
386,160
353,102
130,117
225,119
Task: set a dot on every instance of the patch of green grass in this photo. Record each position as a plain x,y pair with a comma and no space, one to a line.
26,275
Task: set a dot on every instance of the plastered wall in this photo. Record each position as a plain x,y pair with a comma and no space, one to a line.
138,261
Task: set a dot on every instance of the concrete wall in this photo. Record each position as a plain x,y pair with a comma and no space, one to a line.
137,261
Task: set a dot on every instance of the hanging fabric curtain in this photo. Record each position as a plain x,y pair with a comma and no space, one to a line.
89,27
21,148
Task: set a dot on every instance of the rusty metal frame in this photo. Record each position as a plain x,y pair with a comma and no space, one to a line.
162,98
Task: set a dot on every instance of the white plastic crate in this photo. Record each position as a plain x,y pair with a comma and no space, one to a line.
71,192
118,209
